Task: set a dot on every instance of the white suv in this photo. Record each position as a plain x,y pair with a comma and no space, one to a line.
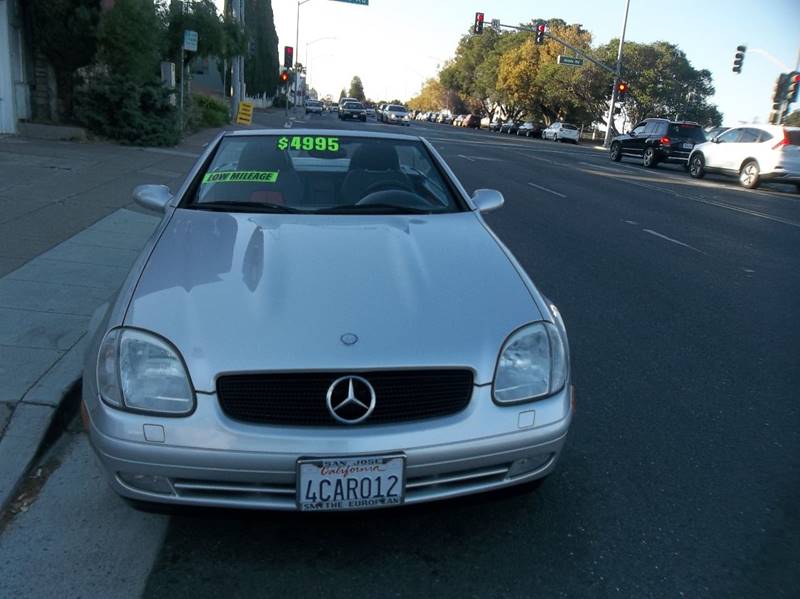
561,131
753,153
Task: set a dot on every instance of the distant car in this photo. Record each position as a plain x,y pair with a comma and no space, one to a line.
712,132
509,127
753,153
471,121
396,114
530,129
494,125
313,107
658,140
354,111
344,101
446,118
561,132
457,120
370,112
334,108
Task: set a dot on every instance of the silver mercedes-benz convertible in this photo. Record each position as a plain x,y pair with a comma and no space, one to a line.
323,321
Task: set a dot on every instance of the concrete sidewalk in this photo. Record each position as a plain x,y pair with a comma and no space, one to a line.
69,232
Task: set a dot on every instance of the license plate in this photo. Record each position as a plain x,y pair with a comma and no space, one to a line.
688,146
350,483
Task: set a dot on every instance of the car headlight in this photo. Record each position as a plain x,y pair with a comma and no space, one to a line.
392,116
143,372
532,365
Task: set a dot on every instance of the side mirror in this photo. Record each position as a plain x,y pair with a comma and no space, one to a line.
715,139
487,199
152,197
632,133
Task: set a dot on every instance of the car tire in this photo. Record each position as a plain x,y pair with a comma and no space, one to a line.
697,166
649,159
615,153
750,175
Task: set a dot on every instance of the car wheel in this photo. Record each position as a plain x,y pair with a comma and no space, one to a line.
649,158
615,153
556,138
749,175
697,166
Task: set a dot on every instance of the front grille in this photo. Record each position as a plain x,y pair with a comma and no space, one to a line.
299,398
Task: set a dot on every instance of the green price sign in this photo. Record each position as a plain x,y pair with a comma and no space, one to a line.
320,144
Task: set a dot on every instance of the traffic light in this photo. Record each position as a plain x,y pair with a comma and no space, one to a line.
794,88
622,91
540,29
738,58
284,77
288,57
478,26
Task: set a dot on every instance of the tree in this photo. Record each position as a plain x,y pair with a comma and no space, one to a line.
432,96
129,40
65,32
357,89
793,120
663,83
261,69
342,94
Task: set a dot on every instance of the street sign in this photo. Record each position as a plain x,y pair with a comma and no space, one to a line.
190,40
361,2
570,60
245,114
496,25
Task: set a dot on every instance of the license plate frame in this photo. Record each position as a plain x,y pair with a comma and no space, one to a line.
309,472
688,146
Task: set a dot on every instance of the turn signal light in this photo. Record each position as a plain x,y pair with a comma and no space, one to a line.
783,142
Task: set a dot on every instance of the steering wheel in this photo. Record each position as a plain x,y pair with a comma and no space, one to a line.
400,197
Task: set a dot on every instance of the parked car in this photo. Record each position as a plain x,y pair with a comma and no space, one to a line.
313,107
753,153
510,127
471,121
530,129
353,111
232,369
457,120
396,114
561,132
658,140
370,113
495,124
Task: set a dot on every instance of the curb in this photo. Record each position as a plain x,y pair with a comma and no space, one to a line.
32,422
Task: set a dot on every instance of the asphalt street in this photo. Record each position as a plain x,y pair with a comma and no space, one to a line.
681,476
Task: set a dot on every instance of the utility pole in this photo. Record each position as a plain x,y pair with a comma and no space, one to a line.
607,140
238,61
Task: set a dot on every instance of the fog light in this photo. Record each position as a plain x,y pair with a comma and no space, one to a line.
529,464
152,483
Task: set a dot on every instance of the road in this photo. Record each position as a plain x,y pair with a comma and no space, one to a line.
682,472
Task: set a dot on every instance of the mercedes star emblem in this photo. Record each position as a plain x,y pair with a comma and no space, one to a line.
350,399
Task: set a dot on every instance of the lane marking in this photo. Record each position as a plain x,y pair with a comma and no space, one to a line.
555,193
630,222
474,158
465,157
675,241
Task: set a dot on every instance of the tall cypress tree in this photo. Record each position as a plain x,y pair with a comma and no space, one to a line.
261,61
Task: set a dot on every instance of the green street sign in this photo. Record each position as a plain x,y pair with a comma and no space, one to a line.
570,60
361,2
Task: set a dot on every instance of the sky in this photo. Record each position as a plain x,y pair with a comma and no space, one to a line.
394,46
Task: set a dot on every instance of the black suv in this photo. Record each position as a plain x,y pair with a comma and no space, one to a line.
658,140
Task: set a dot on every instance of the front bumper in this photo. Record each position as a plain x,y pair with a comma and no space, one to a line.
207,459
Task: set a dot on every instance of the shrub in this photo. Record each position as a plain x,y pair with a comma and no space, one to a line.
280,100
208,111
130,112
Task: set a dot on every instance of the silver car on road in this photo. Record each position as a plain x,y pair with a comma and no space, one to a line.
324,321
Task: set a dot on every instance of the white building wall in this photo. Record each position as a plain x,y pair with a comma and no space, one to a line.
8,113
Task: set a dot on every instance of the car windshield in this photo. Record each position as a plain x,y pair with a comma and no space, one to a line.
323,173
353,105
687,131
395,108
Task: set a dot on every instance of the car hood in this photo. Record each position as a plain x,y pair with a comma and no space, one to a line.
257,292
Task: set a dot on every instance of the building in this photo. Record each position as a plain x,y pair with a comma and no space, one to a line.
15,101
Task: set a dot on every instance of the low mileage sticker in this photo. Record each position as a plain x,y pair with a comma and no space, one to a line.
241,177
309,143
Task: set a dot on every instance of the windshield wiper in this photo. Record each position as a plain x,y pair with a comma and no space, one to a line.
375,209
233,206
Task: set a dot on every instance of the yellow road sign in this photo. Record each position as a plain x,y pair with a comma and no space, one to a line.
245,114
